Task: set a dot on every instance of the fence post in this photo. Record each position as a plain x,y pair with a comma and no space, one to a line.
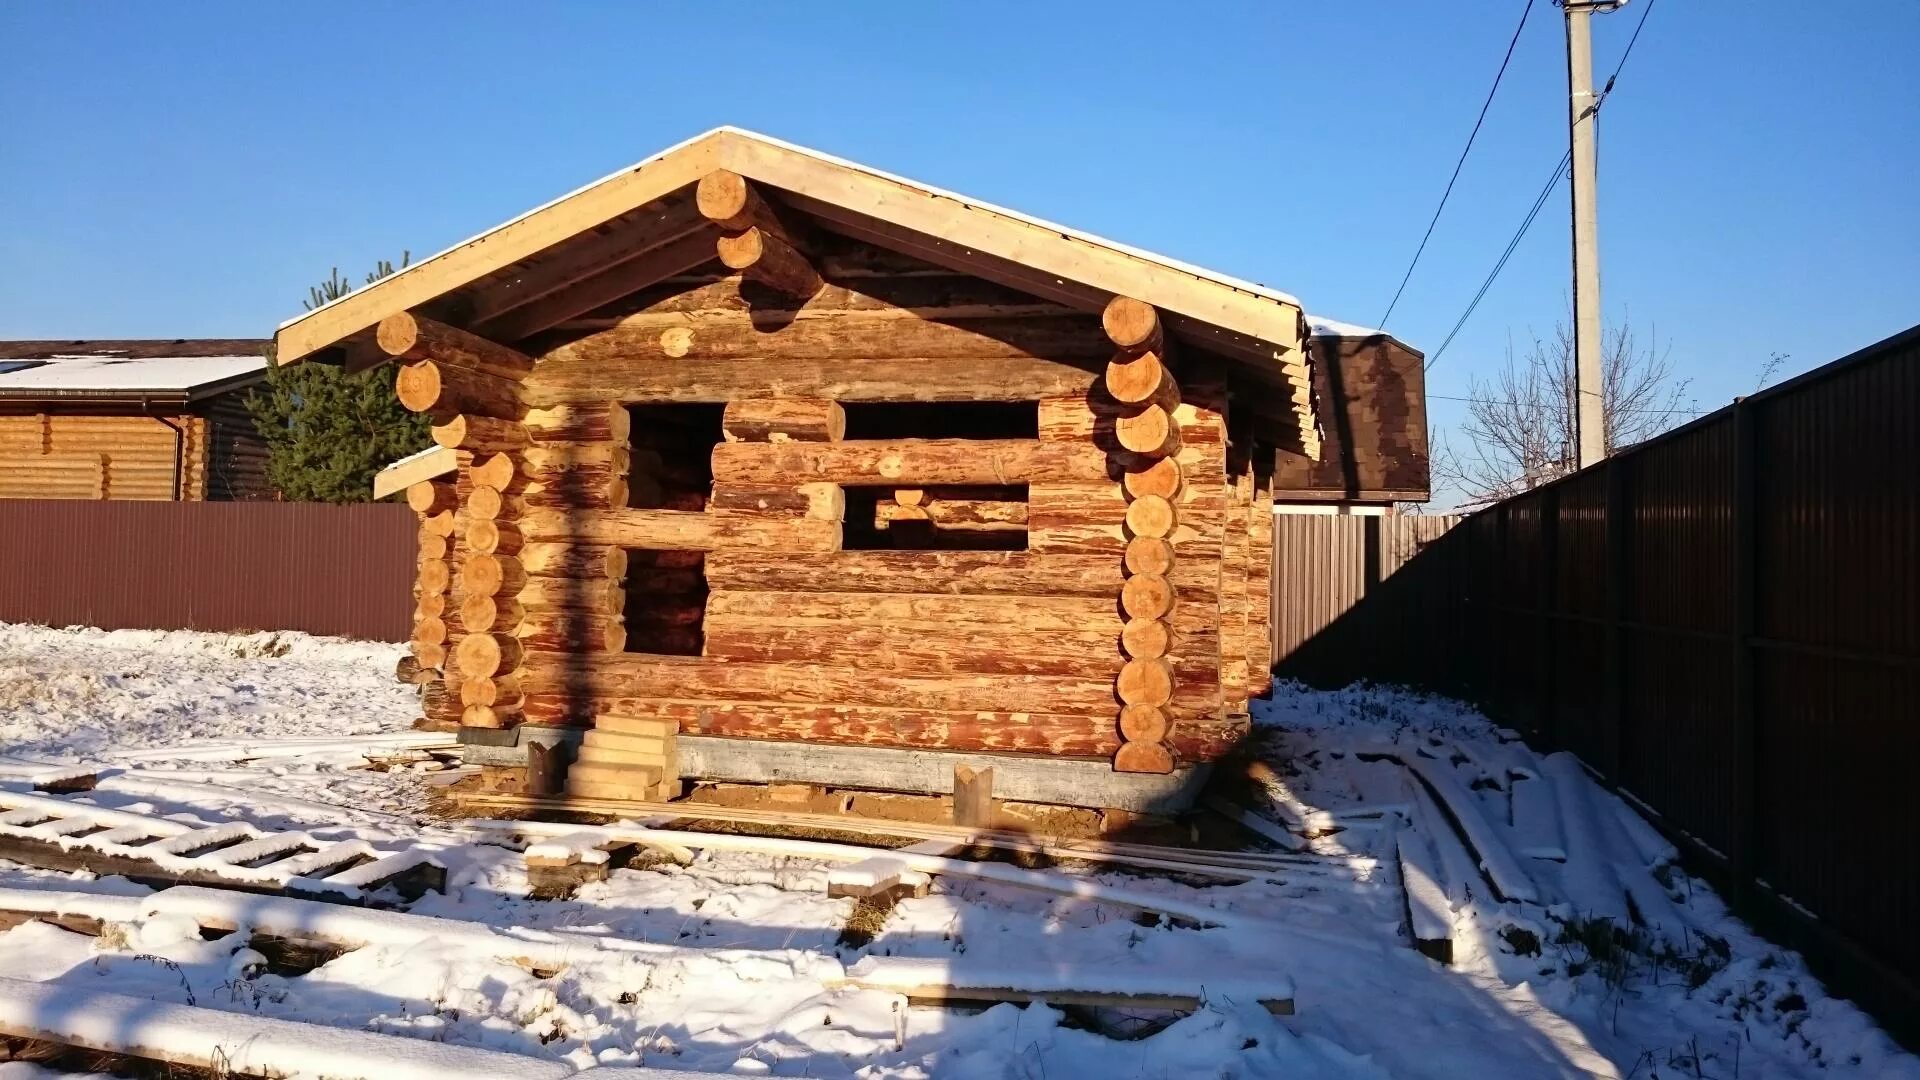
1618,515
1549,622
1743,854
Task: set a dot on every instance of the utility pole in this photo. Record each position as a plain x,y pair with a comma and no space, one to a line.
1590,423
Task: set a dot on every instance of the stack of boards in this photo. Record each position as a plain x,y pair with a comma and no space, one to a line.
626,758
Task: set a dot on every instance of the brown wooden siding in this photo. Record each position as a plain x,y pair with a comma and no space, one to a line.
1372,397
236,458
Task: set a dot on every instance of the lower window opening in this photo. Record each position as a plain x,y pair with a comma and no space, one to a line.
666,602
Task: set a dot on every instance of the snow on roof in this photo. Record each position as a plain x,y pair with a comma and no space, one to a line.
1325,327
110,374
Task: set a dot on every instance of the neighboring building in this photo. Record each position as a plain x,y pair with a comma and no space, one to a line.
130,420
1372,390
762,465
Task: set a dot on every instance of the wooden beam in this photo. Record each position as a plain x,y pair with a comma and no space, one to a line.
628,238
415,469
755,239
673,256
411,338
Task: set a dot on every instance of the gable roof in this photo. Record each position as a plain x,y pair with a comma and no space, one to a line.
185,370
633,227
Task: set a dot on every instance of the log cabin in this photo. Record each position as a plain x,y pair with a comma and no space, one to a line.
758,465
163,420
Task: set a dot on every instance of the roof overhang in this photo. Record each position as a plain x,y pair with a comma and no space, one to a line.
632,220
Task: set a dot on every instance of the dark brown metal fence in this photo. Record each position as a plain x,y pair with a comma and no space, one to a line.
1724,622
345,570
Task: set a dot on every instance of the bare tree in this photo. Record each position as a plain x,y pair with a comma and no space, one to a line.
1519,429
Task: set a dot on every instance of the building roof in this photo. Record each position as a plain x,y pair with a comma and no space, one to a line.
638,225
185,370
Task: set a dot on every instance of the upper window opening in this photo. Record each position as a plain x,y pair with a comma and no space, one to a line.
942,419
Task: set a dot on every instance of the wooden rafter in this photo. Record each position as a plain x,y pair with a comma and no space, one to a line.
677,255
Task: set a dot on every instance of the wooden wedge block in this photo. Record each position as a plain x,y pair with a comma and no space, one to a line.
603,755
594,789
633,725
637,780
615,740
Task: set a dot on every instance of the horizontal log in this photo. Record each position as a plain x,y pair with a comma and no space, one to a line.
988,573
431,497
601,422
481,434
682,530
1130,323
770,259
976,650
444,392
620,375
1149,555
729,201
481,613
483,655
1161,477
1143,723
431,545
571,631
1012,731
433,576
429,631
911,462
569,560
487,716
498,471
487,537
430,606
784,418
630,675
491,575
1093,417
1151,516
504,691
1143,757
561,594
1071,614
958,515
490,504
1145,638
1138,379
1145,681
827,502
431,655
1150,431
410,338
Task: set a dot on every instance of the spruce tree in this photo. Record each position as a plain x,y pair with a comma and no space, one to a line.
328,432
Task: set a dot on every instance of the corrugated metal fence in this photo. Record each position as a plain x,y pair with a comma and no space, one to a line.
1724,622
345,570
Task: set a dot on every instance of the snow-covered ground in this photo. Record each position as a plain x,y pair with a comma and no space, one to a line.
221,728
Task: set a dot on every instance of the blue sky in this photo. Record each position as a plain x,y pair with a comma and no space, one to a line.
189,169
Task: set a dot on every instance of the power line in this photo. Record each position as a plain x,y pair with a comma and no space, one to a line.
1546,192
1497,76
1559,170
1549,405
